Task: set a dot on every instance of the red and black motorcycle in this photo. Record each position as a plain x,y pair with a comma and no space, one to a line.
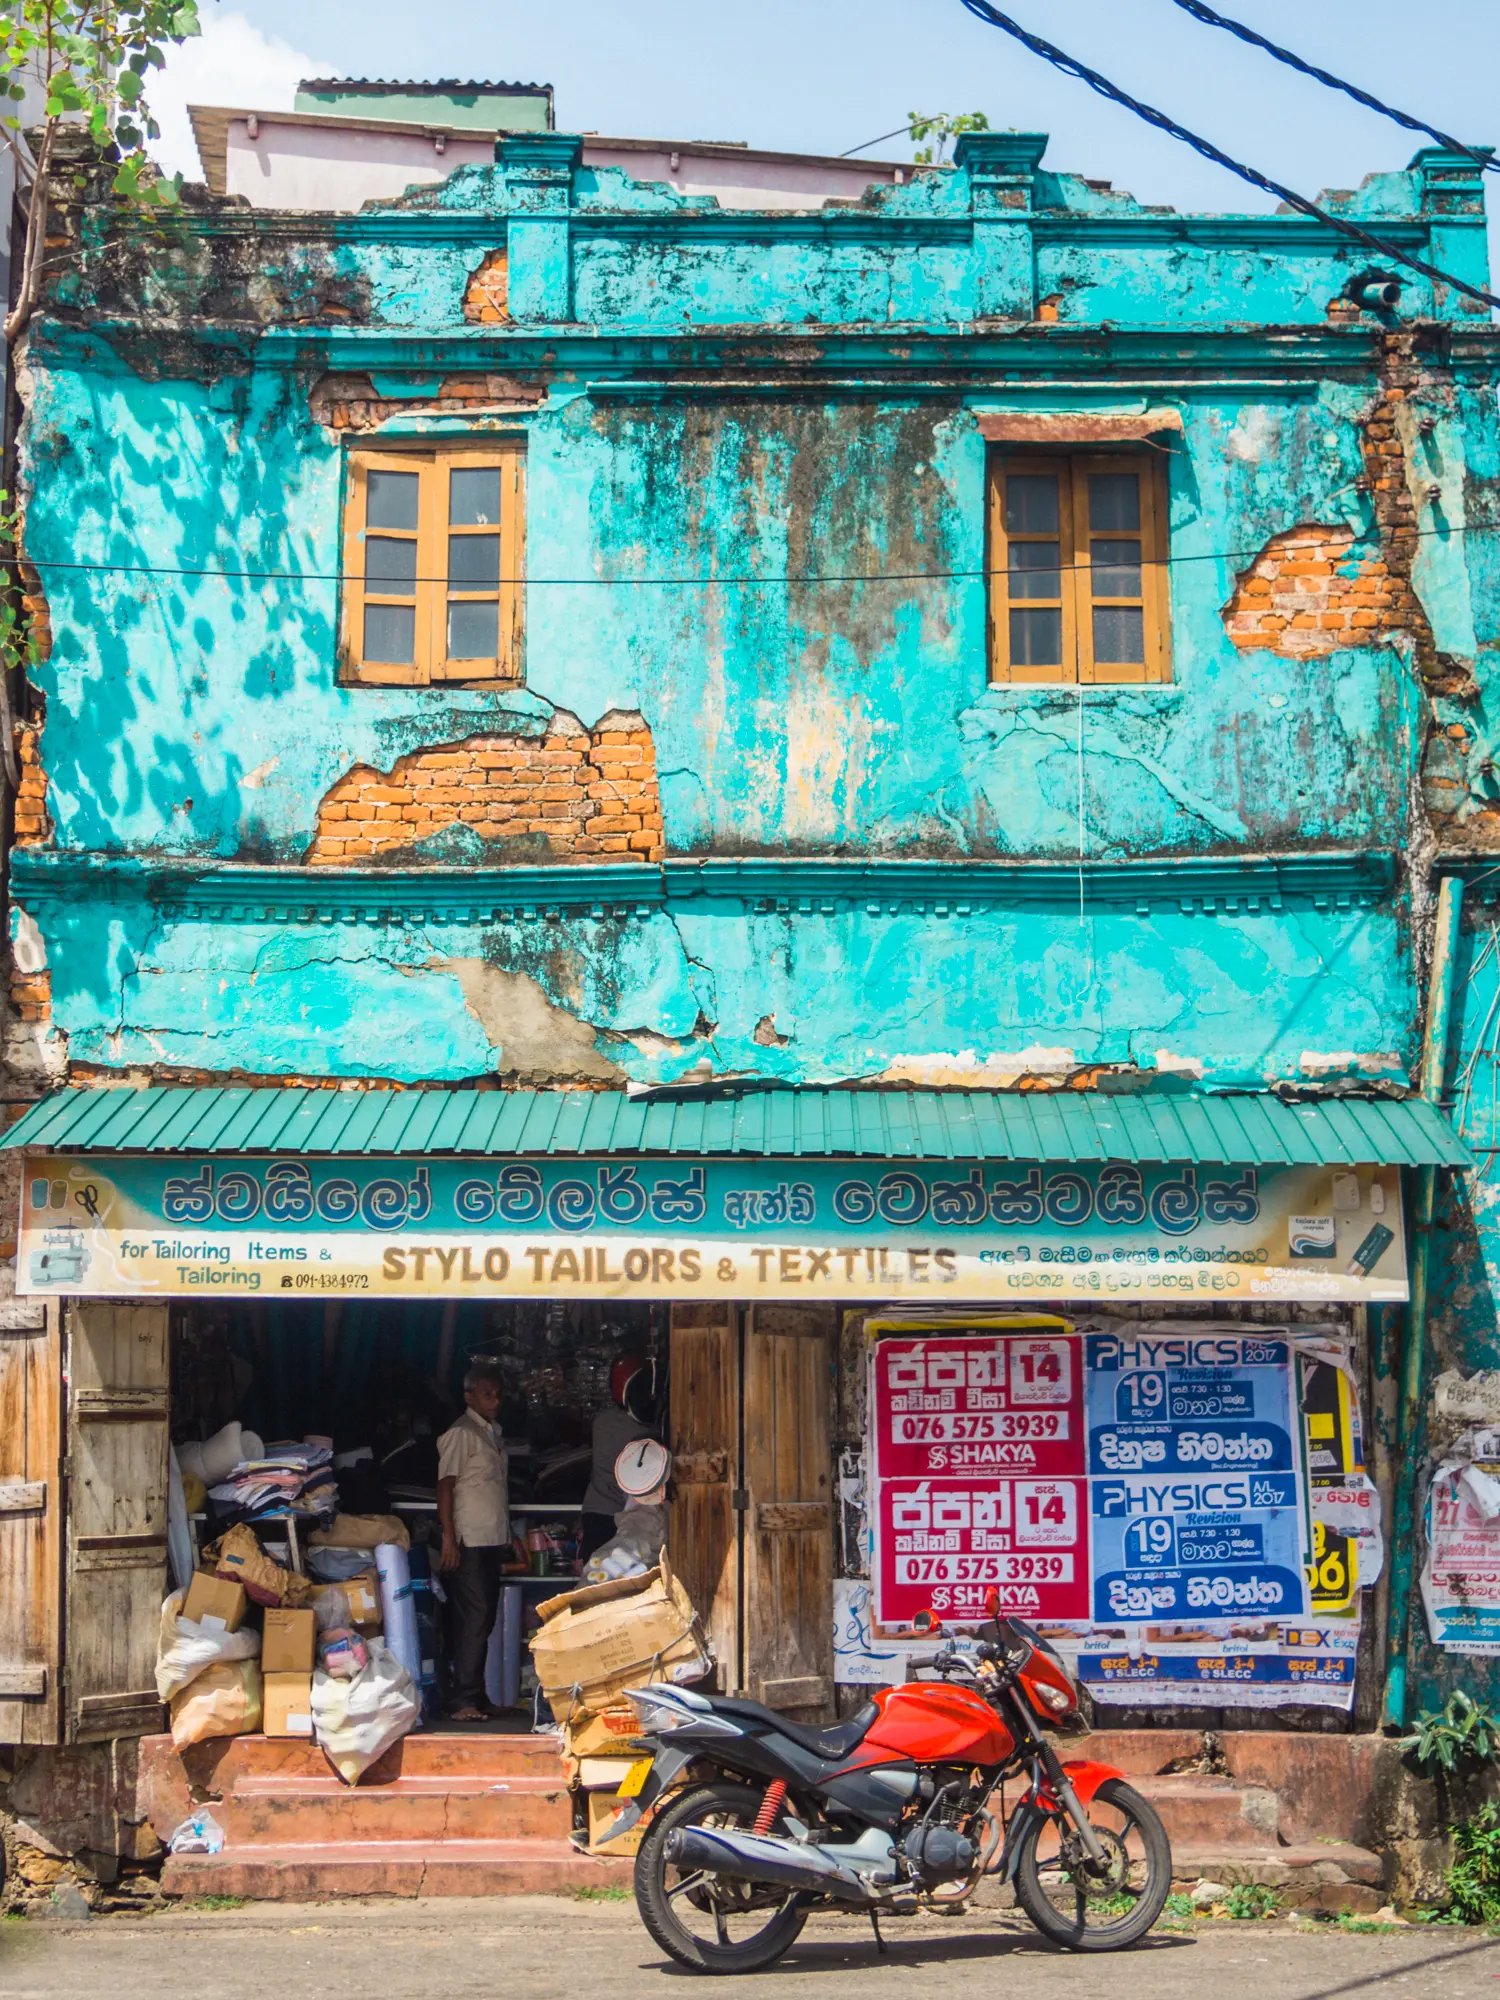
758,1820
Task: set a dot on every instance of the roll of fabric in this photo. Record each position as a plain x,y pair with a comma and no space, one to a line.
398,1613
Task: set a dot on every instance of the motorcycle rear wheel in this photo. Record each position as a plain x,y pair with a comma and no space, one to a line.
750,1929
1084,1912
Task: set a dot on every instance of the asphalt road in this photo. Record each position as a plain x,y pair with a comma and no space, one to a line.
544,1946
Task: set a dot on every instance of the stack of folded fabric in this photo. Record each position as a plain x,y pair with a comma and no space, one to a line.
289,1478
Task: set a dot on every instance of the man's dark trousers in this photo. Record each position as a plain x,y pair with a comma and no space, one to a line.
474,1597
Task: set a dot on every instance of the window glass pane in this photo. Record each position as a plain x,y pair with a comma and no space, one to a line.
1114,501
474,496
1117,569
473,631
391,633
1036,638
473,562
1034,570
391,499
1031,503
390,566
1119,636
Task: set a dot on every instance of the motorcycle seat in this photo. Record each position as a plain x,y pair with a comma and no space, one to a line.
831,1744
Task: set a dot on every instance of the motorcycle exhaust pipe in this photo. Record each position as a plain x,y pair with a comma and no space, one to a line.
753,1857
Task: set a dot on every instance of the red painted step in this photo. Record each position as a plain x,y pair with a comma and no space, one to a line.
304,1873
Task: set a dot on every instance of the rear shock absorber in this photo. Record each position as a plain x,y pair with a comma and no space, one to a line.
770,1806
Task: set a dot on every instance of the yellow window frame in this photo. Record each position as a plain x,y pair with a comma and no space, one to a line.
1075,600
430,661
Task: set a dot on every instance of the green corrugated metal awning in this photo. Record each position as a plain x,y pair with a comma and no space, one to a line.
1249,1129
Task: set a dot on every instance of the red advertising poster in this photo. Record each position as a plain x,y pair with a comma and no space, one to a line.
979,1477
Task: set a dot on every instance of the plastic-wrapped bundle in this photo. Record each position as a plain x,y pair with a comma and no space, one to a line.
398,1613
420,1563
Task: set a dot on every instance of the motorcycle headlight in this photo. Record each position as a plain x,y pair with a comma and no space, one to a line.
661,1707
1053,1698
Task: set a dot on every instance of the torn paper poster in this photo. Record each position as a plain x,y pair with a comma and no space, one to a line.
860,1657
1461,1569
1270,1665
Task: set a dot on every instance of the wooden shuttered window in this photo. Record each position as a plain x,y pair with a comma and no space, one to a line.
1078,578
433,547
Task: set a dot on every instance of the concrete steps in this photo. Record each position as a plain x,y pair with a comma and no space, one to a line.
1287,1813
487,1815
463,1815
308,1872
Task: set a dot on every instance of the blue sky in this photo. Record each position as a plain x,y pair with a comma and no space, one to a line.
825,75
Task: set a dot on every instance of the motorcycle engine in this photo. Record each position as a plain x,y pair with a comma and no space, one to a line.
938,1853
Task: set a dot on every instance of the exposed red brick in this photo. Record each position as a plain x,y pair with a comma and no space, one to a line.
581,794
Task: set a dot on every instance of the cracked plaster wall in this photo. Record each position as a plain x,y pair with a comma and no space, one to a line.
200,717
849,993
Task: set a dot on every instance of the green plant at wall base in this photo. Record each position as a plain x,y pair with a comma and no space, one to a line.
940,129
82,63
1250,1902
1463,1734
1473,1878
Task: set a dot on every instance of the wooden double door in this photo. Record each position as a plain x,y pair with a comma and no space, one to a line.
752,1518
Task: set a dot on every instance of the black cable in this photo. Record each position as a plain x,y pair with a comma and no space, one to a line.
1207,15
876,142
1071,67
808,577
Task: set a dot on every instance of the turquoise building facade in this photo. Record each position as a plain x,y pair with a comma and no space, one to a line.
820,818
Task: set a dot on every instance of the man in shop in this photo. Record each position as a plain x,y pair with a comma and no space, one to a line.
474,1515
621,1423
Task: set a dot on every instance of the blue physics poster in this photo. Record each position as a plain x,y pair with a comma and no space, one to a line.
1194,1477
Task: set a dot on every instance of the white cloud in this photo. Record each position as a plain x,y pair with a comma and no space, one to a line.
233,63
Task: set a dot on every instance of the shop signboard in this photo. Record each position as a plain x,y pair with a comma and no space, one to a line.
143,1225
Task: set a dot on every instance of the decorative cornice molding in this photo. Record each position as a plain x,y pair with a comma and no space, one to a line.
761,884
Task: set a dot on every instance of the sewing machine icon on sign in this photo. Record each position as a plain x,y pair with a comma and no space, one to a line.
62,1262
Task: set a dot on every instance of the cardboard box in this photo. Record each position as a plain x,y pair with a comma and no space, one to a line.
290,1642
604,1810
600,1774
287,1704
598,1641
606,1734
363,1593
214,1601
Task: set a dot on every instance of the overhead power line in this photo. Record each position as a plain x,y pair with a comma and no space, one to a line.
709,582
1482,157
899,131
1070,66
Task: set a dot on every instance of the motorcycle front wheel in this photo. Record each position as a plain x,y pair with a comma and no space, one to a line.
711,1923
1079,1903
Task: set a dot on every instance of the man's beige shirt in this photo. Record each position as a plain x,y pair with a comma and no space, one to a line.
472,1455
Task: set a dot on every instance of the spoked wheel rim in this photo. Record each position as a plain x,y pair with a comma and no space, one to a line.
716,1912
1098,1905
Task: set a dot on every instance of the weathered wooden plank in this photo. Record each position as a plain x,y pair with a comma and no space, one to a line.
120,1406
18,1317
31,1537
788,1475
97,1718
704,1430
794,1517
117,1444
808,1691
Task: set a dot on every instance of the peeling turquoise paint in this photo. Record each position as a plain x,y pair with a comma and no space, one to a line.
755,515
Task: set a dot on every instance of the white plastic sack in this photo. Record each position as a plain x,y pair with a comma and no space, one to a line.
202,1834
358,1720
634,1548
185,1649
